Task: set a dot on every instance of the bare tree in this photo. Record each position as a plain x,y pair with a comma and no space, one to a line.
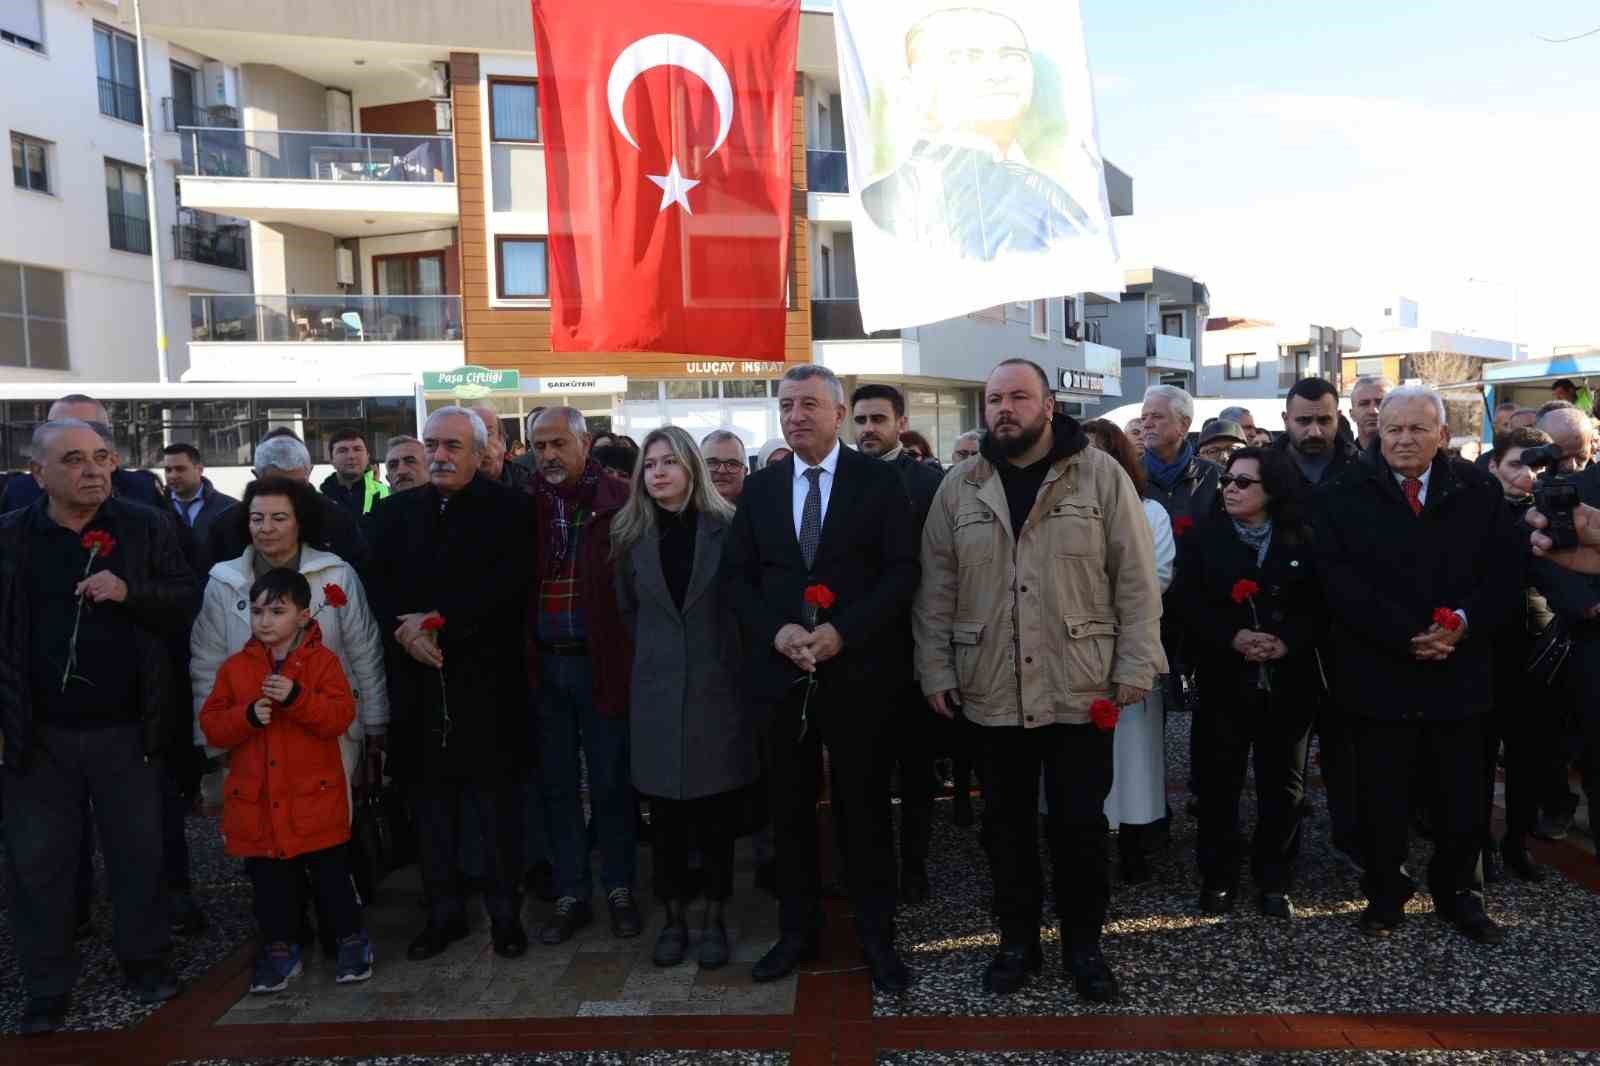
1464,411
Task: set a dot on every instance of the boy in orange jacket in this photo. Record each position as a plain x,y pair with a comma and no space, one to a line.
279,707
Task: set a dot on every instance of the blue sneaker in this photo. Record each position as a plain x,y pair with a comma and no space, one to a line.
275,967
355,959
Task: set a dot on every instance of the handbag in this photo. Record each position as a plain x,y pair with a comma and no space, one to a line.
383,836
1551,649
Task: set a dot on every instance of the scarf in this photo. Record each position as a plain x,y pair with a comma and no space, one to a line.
1256,537
563,506
1167,474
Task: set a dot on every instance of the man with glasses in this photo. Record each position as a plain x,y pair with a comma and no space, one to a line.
966,447
726,459
1220,438
139,486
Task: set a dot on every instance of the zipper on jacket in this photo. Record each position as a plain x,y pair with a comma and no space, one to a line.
1016,625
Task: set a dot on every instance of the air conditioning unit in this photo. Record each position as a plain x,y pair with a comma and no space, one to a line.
441,80
219,85
345,266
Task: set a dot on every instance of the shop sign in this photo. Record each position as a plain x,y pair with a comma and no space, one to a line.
579,386
731,368
471,381
1080,381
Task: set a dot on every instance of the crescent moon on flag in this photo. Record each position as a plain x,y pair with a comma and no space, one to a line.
670,50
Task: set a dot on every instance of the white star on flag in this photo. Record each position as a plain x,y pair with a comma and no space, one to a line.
674,187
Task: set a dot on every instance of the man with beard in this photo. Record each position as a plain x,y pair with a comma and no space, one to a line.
1039,607
405,464
879,414
727,461
1312,438
1365,399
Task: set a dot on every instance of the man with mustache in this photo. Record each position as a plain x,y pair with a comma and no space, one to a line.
405,464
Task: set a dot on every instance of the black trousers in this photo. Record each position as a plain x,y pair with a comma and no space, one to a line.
1526,720
498,806
860,799
1273,731
1451,754
1337,753
1582,683
913,739
1076,760
707,825
43,830
279,883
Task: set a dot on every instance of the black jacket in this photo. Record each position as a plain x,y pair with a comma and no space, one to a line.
1211,560
213,505
1345,454
472,563
921,482
515,475
341,535
163,597
868,556
1195,496
140,486
1385,571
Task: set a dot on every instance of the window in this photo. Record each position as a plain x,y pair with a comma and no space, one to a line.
745,390
30,167
1243,367
116,59
22,24
522,268
824,273
1172,324
127,207
33,317
641,390
1370,368
1039,318
1069,320
691,390
513,110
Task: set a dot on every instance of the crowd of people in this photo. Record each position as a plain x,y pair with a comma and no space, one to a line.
503,632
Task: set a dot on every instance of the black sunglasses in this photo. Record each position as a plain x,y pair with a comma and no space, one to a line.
1238,479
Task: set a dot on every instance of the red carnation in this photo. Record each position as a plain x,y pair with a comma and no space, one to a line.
819,596
1181,525
334,596
1104,714
1446,619
99,542
433,623
1244,590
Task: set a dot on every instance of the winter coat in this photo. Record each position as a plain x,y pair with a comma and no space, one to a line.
350,632
691,735
1194,496
341,532
162,592
213,505
285,793
1032,629
359,498
1385,571
132,486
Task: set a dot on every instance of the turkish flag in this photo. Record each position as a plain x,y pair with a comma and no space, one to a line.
667,127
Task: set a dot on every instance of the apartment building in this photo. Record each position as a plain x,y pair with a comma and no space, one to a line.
1253,358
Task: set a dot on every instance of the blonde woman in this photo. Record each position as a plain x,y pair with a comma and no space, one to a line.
694,749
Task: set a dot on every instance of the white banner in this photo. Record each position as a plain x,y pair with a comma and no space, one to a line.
975,169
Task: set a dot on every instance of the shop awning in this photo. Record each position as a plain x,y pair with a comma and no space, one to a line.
1529,370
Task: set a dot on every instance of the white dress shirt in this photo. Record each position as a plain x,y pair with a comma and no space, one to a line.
802,484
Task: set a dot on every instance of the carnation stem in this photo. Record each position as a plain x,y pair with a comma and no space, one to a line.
77,620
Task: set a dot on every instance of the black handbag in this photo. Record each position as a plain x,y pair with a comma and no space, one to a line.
383,836
1551,649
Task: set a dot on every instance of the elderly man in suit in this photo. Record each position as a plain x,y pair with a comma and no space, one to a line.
825,516
1420,562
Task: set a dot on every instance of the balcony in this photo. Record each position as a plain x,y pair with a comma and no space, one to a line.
343,184
826,170
120,101
130,233
219,246
836,319
1168,352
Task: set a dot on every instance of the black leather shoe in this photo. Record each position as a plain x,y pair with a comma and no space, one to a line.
435,938
1216,899
154,982
1376,923
889,973
510,940
782,958
1276,905
1519,862
541,881
1008,971
571,915
914,886
672,943
1494,867
1135,868
626,922
1471,922
1093,977
43,1015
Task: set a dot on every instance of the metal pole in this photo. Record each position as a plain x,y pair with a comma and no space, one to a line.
151,200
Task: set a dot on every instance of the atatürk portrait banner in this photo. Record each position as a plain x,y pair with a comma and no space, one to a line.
975,169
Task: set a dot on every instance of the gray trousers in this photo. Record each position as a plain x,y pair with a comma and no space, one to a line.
43,826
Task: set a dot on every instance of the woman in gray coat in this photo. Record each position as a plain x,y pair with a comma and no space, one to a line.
694,749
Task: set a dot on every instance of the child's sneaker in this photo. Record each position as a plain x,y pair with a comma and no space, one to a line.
275,967
355,959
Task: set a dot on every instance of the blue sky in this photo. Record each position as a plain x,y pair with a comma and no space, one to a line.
1313,161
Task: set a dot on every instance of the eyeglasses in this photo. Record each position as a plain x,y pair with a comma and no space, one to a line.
1240,480
724,466
963,453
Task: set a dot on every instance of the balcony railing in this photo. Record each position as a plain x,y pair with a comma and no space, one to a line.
836,319
120,101
220,246
130,233
176,116
299,155
1169,348
256,318
826,170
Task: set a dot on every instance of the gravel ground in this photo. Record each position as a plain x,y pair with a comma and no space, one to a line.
1171,959
1235,1058
99,1000
548,1058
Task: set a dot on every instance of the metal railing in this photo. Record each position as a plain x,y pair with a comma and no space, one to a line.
302,155
130,233
120,101
220,246
826,170
176,116
839,319
256,318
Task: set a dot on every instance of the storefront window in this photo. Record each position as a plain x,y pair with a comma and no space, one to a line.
641,391
691,390
745,390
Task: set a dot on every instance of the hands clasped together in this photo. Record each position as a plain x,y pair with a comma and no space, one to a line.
808,648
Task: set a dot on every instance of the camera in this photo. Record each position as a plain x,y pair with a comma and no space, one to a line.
1555,496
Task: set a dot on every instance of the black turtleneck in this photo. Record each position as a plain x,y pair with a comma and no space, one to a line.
677,549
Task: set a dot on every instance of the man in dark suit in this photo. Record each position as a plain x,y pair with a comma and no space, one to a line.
913,736
1420,561
192,497
139,486
825,516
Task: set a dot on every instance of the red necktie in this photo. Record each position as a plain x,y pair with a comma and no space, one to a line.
1413,487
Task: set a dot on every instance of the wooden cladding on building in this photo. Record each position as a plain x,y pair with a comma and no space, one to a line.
520,336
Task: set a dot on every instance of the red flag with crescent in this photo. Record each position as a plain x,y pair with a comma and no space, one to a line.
667,128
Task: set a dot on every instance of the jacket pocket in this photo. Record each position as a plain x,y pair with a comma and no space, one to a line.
974,538
1076,528
972,676
244,817
1090,644
318,805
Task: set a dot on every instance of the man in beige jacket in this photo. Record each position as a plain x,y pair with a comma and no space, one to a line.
1039,598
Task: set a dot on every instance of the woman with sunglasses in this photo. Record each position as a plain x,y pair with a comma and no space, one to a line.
1247,594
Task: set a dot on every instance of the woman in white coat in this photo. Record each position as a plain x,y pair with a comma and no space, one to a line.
283,521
